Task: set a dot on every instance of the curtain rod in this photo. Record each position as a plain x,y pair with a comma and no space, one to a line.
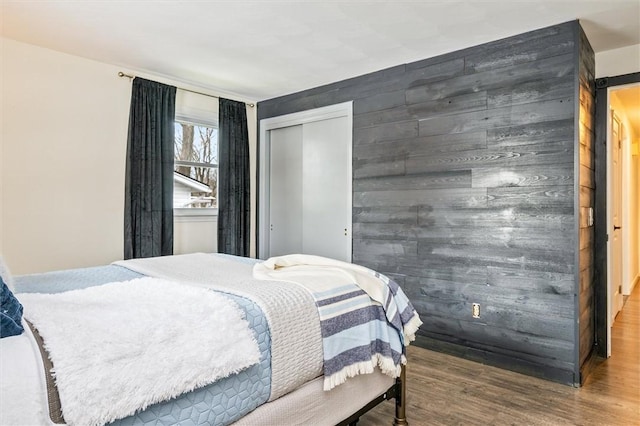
131,77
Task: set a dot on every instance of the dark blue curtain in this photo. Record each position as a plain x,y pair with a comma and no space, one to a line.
233,179
148,206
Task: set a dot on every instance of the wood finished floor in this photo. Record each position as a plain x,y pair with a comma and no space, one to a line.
446,390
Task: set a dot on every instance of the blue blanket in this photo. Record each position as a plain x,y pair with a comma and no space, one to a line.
365,318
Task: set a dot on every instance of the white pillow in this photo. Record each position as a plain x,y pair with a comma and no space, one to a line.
6,275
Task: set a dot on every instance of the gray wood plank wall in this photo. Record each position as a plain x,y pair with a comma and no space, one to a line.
464,192
586,301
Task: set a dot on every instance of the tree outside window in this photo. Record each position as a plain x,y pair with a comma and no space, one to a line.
196,158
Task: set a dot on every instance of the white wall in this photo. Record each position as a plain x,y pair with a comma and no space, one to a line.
199,234
615,62
63,146
64,140
2,154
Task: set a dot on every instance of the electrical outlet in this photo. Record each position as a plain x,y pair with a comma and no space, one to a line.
475,310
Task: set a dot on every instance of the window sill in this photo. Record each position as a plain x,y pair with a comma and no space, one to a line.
195,214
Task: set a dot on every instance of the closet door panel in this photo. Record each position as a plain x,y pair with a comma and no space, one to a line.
326,189
285,205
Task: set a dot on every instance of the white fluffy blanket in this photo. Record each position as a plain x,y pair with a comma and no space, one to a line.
296,342
120,347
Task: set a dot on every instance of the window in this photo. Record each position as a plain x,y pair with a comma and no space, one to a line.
195,180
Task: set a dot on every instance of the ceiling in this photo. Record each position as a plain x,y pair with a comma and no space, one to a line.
261,49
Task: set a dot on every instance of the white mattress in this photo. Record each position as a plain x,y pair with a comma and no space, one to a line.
310,405
23,395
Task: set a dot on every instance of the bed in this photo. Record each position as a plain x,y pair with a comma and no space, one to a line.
286,303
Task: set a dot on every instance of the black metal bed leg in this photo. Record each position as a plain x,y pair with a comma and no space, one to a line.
354,423
401,398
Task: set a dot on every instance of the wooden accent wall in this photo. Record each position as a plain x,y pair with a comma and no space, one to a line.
586,120
464,192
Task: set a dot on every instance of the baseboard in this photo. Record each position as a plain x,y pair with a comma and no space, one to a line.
633,284
506,362
589,364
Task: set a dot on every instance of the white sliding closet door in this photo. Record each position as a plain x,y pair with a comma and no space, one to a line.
286,201
326,204
308,187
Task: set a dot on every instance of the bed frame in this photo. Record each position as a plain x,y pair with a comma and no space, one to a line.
398,392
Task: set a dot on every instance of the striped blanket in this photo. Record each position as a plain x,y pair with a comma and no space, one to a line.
365,318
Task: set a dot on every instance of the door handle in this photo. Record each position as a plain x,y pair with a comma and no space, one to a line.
615,228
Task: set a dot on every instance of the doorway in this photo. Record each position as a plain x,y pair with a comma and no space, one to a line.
617,203
305,183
